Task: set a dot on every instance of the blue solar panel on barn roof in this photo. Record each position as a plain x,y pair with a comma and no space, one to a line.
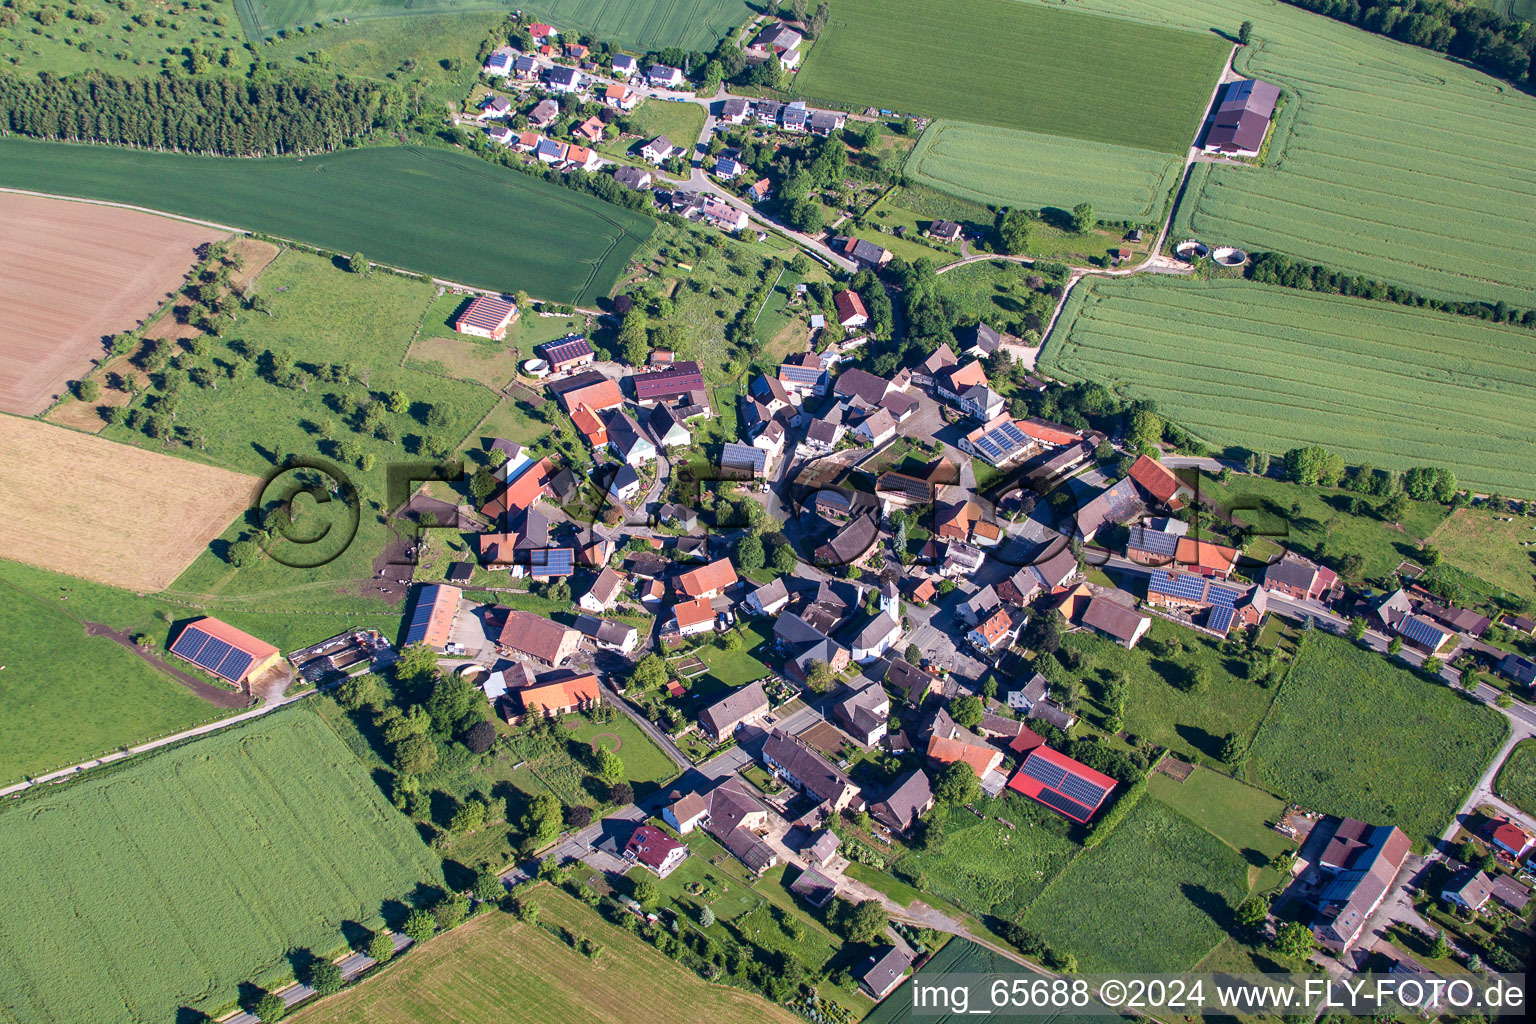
1041,770
416,632
1223,595
212,654
1071,808
1082,790
554,562
189,643
1184,585
1421,632
234,664
1220,618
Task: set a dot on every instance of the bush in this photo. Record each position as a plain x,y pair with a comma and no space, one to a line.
325,977
381,947
270,1007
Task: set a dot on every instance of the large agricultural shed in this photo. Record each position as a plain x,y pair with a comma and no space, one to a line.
431,211
229,653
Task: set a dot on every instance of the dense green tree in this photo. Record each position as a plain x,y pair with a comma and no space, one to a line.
415,755
325,977
381,947
420,925
1295,940
649,672
749,553
358,263
270,1007
966,711
956,784
243,553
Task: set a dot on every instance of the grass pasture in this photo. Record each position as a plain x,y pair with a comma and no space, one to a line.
1480,542
67,493
194,871
1236,813
430,211
1153,897
1335,739
495,969
117,44
1400,164
113,697
1006,167
1517,778
1013,65
1271,368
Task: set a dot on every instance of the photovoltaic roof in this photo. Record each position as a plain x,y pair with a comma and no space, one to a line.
421,617
1220,617
1421,632
222,659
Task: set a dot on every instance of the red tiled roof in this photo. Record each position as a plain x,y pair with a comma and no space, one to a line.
947,751
562,693
651,846
1205,554
849,305
1511,835
715,576
995,628
597,397
1156,479
1050,433
691,613
530,485
590,426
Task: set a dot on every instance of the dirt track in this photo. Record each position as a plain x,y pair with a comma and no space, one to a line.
72,274
210,693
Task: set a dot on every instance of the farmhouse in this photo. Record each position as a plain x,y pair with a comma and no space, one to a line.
744,706
1068,787
711,580
1154,542
951,744
1117,503
546,642
1159,484
1242,118
1361,862
1222,604
944,231
224,651
912,682
729,812
909,799
680,381
850,309
487,316
626,441
566,354
436,605
883,970
998,441
795,761
561,696
1299,578
866,254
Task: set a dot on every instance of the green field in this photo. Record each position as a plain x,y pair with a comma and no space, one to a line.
108,697
1004,167
1158,707
680,122
958,957
1335,741
999,62
638,25
985,867
1399,164
1517,778
1271,368
496,969
427,210
1481,543
1237,814
174,880
98,35
438,55
1155,896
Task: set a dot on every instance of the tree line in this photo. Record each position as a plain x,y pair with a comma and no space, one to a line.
1275,268
1498,45
214,116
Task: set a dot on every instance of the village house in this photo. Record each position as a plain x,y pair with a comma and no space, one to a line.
998,441
910,798
501,135
1298,578
874,638
561,696
1159,484
733,111
768,599
626,441
494,107
711,580
798,763
658,150
538,638
882,971
624,65
650,846
910,681
862,713
690,618
667,428
607,634
663,77
499,63
730,812
1468,889
1360,863
563,80
741,707
544,113
525,68
1222,605
635,178
625,486
720,214
1119,622
850,309
605,591
944,231
591,130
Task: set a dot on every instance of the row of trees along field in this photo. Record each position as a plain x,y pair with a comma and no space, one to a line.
1499,45
222,116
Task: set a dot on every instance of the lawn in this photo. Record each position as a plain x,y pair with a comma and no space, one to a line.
731,669
196,870
117,44
1158,706
438,55
495,969
1482,543
1517,779
985,867
1237,814
638,25
112,697
1359,177
1271,368
1336,738
998,292
1050,71
1155,896
1005,167
431,211
320,316
643,760
680,122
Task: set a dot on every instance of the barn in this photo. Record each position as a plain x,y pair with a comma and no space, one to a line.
1062,784
487,316
222,650
436,605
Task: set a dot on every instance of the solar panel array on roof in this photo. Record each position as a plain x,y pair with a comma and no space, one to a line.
421,617
799,374
1000,442
498,60
1081,790
1154,541
1223,595
1220,617
220,658
1044,771
487,312
565,351
552,562
1421,632
1071,808
1182,585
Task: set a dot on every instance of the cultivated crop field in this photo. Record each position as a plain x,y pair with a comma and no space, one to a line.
1272,368
430,211
53,250
82,505
496,969
640,25
999,62
1335,739
1005,167
1401,164
170,882
1154,896
112,698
